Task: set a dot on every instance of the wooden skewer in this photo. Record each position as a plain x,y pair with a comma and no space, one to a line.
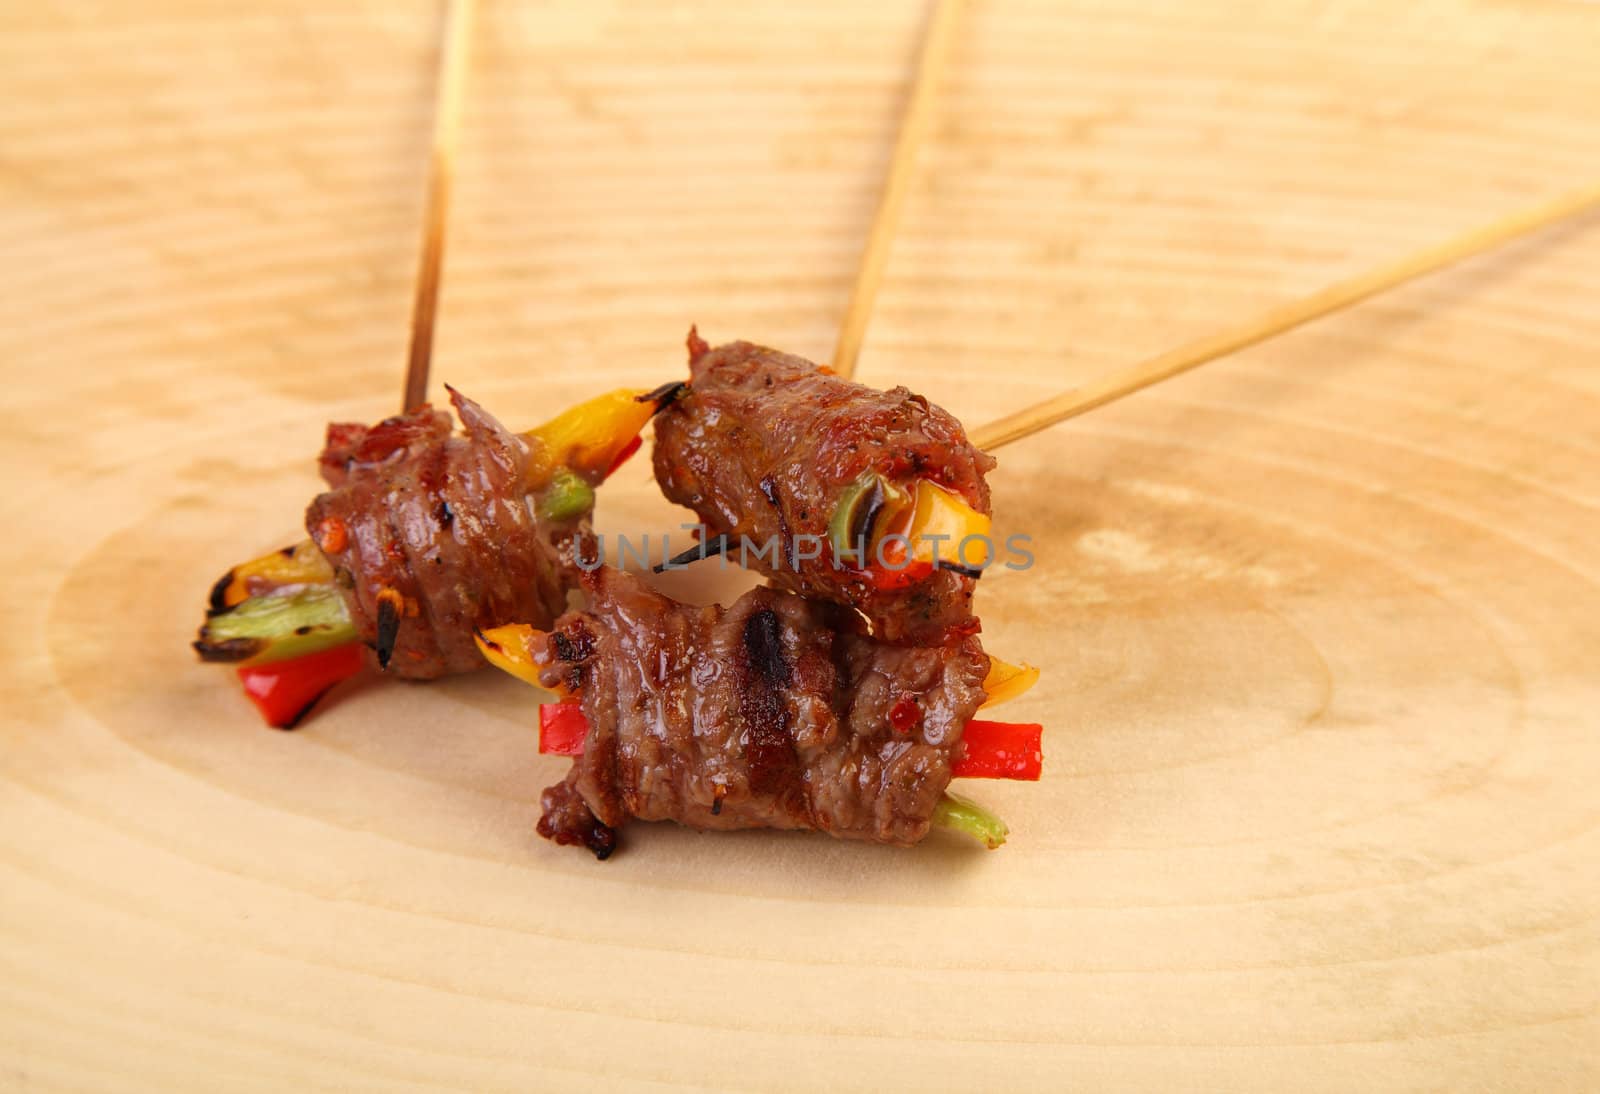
913,125
446,116
1071,403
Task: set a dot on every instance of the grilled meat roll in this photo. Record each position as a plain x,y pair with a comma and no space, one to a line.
432,535
770,450
765,714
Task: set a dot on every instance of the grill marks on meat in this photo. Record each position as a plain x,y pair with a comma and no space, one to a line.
763,444
763,642
439,536
767,744
759,715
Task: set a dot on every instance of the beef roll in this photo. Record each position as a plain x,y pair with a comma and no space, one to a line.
814,479
432,535
764,714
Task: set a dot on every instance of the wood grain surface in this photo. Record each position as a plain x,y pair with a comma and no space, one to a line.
1320,623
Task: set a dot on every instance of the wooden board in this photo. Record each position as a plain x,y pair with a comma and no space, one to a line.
1320,624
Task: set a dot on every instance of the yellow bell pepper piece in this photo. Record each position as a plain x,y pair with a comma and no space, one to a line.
935,511
510,649
1007,681
586,438
302,564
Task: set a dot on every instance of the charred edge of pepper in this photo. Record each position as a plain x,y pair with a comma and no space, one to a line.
710,548
388,625
229,649
866,515
486,641
300,715
665,395
219,593
956,568
718,792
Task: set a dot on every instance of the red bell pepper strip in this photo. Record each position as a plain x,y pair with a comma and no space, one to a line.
991,750
285,691
1000,750
562,728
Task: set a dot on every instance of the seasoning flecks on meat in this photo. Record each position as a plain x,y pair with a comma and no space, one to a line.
764,445
758,715
431,535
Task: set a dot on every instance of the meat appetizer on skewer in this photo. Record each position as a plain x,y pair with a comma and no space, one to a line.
771,713
840,700
871,499
422,537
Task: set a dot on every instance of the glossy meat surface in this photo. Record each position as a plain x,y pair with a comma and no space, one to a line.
443,522
763,445
759,715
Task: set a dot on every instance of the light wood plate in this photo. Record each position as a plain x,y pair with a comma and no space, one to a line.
1320,624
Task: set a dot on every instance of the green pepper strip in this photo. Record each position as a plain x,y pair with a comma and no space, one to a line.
568,496
858,509
967,816
276,627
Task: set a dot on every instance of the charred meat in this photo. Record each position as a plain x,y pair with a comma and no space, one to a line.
761,715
